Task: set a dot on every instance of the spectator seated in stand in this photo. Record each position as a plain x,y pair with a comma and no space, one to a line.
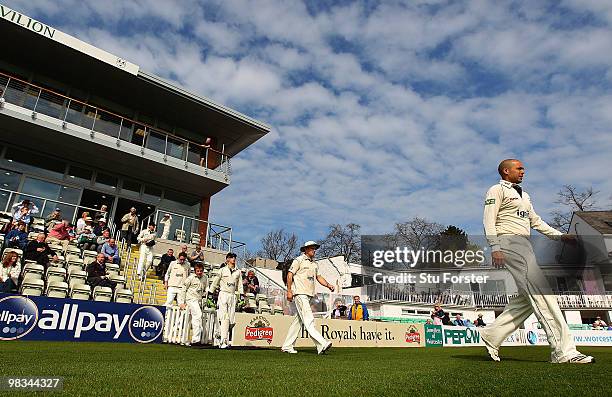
9,272
358,310
87,240
60,233
17,238
102,214
103,239
53,218
458,321
111,251
250,283
38,250
96,274
197,256
165,261
438,315
100,227
599,324
339,310
83,221
480,322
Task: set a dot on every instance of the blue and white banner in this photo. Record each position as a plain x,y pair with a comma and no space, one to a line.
54,319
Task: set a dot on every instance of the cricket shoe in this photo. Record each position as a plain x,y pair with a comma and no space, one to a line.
491,350
325,348
578,359
290,351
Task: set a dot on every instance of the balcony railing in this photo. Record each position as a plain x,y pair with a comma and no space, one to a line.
566,300
97,120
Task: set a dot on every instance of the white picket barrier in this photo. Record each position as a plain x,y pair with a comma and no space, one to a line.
209,326
177,328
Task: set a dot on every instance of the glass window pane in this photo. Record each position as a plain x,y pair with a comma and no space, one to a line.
108,124
67,211
156,141
35,162
9,180
80,174
69,194
176,148
51,104
106,181
152,194
35,188
179,201
130,188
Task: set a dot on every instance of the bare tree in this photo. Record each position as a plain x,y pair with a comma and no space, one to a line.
572,200
343,240
279,245
419,233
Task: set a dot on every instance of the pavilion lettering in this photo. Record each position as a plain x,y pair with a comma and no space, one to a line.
26,22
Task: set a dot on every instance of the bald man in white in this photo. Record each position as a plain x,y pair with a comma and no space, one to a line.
508,219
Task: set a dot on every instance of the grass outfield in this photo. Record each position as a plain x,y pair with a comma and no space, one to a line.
165,370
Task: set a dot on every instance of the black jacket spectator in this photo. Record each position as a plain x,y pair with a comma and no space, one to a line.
38,251
96,275
164,263
99,229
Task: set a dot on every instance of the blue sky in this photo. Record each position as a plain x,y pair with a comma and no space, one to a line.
380,111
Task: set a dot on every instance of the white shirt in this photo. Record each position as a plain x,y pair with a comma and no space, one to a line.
12,272
508,213
228,280
305,271
80,226
145,236
176,273
193,289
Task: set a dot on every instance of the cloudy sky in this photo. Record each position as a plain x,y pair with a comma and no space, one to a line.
380,110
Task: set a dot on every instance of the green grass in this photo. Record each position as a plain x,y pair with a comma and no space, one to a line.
164,370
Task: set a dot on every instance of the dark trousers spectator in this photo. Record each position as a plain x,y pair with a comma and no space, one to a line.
89,246
128,236
101,282
7,286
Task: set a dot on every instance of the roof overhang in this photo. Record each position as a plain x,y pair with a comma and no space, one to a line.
96,76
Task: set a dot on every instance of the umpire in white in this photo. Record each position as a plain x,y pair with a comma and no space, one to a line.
508,219
300,288
228,281
190,297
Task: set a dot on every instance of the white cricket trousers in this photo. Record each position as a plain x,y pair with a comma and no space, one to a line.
304,318
535,296
171,294
226,314
196,320
145,259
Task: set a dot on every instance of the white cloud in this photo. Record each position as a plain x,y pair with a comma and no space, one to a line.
384,114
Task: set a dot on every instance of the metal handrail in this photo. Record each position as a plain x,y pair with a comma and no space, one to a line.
105,111
147,129
44,200
210,230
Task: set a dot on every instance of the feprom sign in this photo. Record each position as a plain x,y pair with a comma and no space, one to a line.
54,319
51,33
